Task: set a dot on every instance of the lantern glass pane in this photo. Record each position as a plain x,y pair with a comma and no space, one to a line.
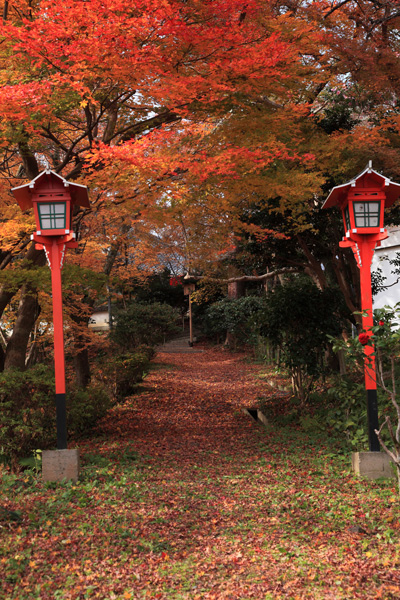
52,215
366,214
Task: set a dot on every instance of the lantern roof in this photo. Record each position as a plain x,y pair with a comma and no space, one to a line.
366,179
50,180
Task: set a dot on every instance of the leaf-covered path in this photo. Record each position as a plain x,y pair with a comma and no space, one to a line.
184,497
192,410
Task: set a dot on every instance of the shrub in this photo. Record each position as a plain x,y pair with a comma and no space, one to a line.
85,407
293,322
28,413
297,320
347,412
384,341
239,317
121,373
144,324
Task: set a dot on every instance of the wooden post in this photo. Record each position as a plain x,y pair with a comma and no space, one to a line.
188,288
190,321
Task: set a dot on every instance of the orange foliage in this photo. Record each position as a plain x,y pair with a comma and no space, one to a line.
179,115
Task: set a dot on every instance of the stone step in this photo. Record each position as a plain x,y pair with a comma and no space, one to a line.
178,345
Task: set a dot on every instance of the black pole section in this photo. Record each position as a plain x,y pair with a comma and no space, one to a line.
373,423
61,412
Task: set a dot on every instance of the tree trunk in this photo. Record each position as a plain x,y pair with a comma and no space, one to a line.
28,311
345,284
37,258
230,341
2,359
17,345
81,354
82,368
342,362
313,269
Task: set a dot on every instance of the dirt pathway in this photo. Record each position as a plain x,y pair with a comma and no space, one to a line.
192,408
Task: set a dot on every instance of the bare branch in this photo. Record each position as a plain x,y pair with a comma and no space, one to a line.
130,131
382,443
264,277
336,7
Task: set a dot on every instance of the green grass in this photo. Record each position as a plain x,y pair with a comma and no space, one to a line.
294,512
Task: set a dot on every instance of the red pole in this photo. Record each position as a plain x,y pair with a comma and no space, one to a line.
59,358
366,253
366,249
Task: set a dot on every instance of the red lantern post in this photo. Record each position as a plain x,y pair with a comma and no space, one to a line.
53,199
362,202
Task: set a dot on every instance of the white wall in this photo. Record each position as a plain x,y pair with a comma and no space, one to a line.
389,247
99,321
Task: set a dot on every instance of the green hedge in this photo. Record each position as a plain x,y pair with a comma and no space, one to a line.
238,316
122,373
28,413
144,324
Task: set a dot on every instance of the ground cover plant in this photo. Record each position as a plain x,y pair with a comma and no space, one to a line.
28,412
183,496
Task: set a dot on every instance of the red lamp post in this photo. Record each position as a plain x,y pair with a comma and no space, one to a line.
362,202
53,199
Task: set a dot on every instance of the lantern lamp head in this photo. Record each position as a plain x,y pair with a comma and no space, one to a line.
363,201
189,284
364,210
52,198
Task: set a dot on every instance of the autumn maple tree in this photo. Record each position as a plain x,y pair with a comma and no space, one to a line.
143,104
183,118
353,118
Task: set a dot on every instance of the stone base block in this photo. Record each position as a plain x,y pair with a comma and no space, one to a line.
60,464
372,465
261,417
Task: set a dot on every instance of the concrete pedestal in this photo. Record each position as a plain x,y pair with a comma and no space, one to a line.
261,417
60,464
372,465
